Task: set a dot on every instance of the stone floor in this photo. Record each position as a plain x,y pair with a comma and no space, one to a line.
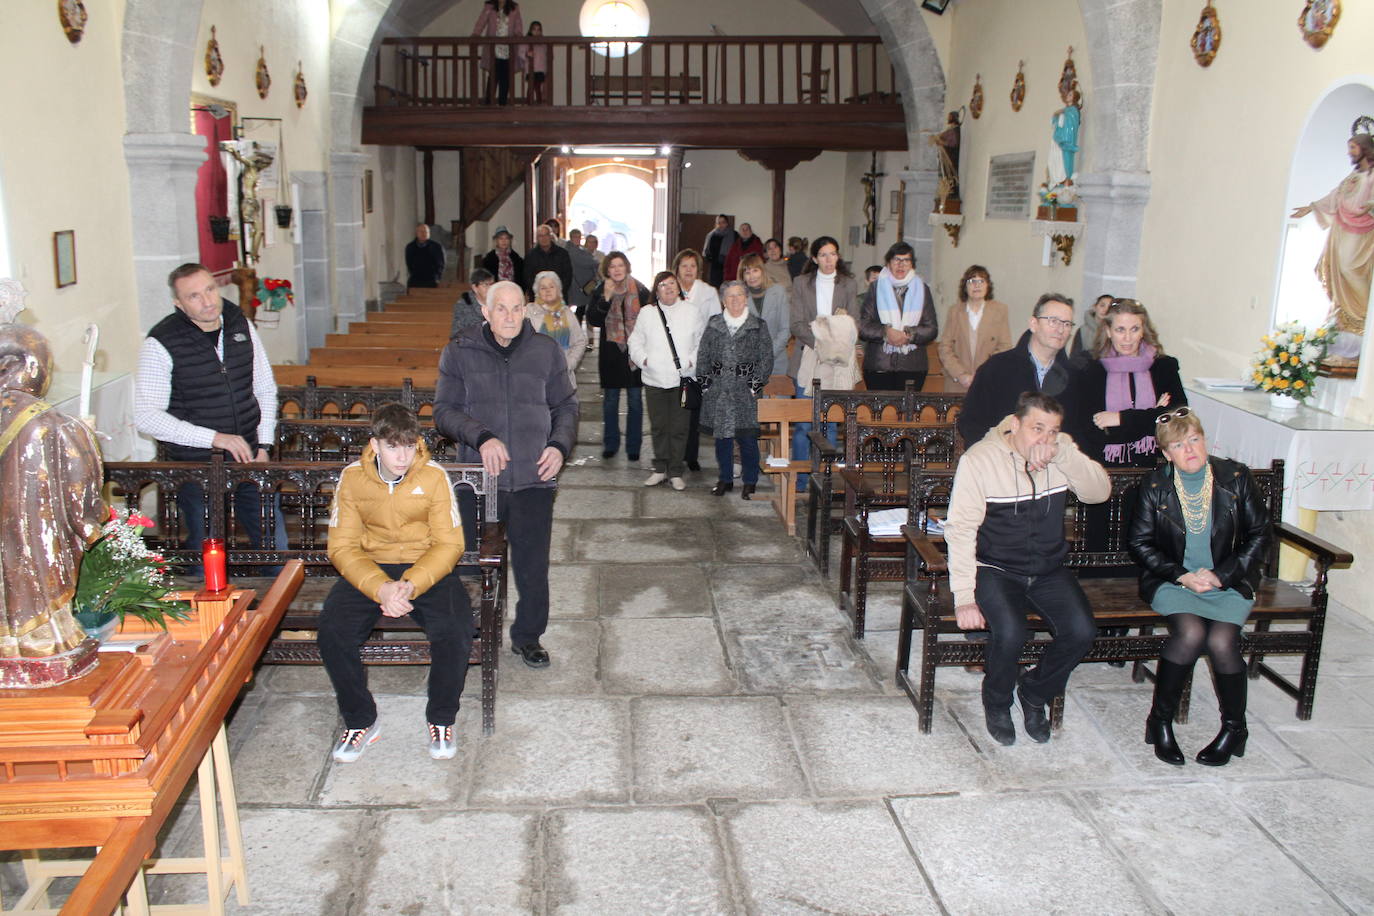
710,739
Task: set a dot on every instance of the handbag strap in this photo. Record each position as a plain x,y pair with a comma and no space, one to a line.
669,331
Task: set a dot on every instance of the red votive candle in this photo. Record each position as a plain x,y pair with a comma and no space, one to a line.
215,562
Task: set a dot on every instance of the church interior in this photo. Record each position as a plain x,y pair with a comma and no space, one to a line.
711,738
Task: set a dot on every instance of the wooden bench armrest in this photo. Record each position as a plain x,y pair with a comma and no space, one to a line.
933,561
822,449
1322,551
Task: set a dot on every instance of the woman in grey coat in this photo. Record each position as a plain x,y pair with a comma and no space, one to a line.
734,361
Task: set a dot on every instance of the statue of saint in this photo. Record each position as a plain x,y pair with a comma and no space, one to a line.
947,143
1065,123
50,473
1347,260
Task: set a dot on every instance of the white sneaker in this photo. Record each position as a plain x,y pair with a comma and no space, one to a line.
354,741
677,483
441,744
655,479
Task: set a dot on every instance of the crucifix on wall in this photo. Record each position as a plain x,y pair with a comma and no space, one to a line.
870,183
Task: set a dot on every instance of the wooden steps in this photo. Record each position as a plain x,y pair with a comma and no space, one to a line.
405,358
369,376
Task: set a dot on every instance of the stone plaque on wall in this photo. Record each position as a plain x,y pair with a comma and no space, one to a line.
1011,178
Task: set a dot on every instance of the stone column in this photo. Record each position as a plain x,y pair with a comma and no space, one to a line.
162,191
1112,206
312,275
919,201
346,205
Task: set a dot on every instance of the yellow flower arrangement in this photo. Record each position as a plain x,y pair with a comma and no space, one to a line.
1287,362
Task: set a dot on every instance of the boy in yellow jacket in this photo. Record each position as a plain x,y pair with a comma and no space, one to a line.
395,538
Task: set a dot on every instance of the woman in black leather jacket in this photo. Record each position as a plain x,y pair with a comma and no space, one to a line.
1199,535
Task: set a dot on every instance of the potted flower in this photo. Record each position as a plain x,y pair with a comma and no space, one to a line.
273,295
1286,363
120,576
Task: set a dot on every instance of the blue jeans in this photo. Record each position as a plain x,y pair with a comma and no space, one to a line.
748,459
634,420
247,510
801,442
1004,598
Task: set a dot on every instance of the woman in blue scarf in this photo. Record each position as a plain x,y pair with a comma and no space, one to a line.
896,321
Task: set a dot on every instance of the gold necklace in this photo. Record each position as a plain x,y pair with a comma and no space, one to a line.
1197,508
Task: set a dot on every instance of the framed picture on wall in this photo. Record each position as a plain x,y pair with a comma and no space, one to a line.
64,257
894,205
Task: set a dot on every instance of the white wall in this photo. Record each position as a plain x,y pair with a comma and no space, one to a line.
989,37
62,165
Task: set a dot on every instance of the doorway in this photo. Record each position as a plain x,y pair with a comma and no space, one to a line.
619,200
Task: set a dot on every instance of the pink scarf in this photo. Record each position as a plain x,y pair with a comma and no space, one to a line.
1120,371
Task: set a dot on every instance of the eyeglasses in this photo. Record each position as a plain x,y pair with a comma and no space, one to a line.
1057,323
1173,415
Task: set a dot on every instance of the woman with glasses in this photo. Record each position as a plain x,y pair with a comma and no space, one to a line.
615,309
1199,534
1124,388
896,321
664,346
975,328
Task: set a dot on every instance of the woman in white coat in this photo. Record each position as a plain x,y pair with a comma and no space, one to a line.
664,346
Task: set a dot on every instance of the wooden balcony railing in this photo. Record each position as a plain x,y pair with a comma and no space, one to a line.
680,70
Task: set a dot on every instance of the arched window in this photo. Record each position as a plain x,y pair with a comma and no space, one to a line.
614,19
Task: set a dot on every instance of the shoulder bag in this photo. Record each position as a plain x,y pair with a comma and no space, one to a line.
689,389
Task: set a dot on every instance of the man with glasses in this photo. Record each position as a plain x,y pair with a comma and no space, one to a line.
504,395
1037,363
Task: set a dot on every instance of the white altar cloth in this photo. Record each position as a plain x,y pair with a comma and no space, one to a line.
1328,461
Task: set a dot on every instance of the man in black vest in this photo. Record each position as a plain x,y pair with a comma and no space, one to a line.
205,384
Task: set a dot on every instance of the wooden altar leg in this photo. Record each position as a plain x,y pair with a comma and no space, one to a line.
229,804
38,878
209,830
136,898
1293,562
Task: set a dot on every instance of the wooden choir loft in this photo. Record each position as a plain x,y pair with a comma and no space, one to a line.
777,100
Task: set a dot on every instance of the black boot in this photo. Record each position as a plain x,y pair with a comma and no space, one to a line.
1230,741
1159,727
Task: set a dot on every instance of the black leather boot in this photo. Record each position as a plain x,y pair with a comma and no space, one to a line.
1230,741
1159,727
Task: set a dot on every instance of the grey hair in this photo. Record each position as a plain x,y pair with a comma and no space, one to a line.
500,286
549,275
742,288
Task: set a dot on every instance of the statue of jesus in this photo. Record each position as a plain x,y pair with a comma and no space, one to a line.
1347,260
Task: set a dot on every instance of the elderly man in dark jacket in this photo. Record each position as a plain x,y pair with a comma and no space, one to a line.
504,395
545,255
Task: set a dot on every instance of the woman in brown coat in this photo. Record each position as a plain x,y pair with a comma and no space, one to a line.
975,329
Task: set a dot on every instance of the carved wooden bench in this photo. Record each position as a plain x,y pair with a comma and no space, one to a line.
313,401
304,491
928,606
331,439
858,417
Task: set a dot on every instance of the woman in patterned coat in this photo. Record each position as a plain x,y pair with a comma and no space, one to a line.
734,361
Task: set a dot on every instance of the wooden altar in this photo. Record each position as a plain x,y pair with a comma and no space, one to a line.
101,761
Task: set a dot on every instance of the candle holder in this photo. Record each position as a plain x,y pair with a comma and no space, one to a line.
215,562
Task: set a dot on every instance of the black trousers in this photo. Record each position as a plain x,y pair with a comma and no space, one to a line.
1004,598
348,619
528,515
892,381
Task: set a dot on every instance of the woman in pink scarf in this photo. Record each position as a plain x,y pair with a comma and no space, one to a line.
1126,386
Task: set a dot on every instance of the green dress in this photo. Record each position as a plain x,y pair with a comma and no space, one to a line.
1226,605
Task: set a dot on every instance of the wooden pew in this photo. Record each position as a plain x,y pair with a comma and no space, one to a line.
313,401
928,605
860,416
380,376
409,358
776,417
305,490
399,341
339,440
